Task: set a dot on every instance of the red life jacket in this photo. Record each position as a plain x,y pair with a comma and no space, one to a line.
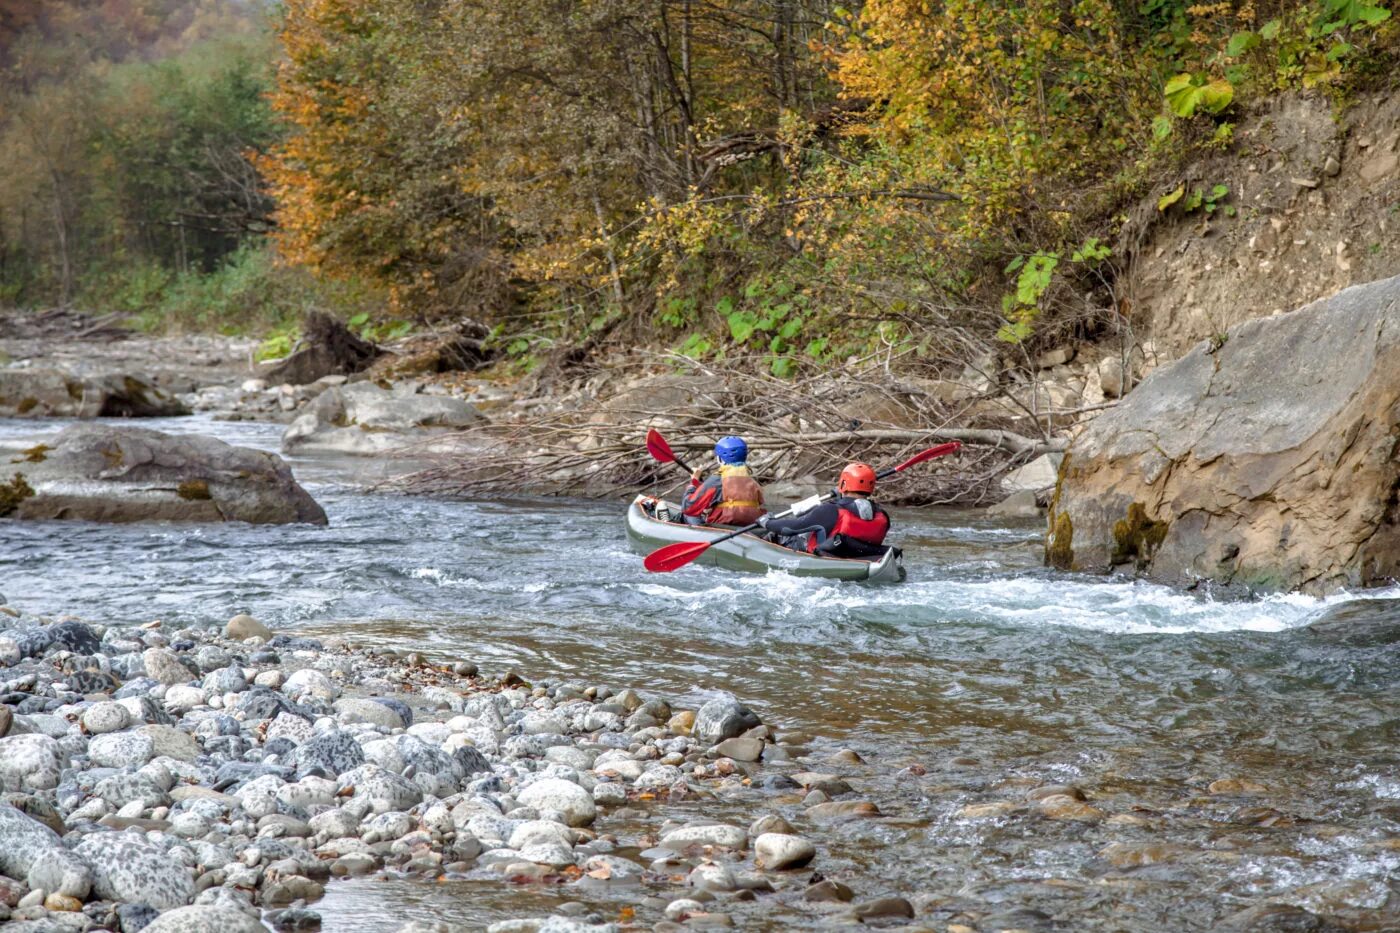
850,525
741,498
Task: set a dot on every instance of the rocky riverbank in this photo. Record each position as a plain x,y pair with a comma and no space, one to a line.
214,779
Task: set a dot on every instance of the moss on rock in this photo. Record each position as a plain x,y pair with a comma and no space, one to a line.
13,493
1137,537
1059,545
193,490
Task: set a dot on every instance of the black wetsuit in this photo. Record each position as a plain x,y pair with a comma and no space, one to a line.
795,532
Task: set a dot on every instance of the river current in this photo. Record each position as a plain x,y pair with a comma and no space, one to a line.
982,676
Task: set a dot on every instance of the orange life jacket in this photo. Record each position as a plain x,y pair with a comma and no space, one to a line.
741,498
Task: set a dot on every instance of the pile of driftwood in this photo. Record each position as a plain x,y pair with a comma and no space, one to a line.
591,441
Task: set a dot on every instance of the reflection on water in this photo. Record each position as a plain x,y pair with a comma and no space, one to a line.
985,669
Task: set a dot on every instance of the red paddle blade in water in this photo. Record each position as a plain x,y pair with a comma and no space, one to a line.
658,448
674,556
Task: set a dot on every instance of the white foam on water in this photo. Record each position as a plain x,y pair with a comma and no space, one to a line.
1386,786
1103,605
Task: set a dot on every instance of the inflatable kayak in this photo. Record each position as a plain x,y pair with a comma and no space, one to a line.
750,552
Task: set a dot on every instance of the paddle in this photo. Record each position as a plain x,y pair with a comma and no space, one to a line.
675,556
658,448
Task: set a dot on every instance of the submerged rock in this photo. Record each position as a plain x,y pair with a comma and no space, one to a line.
1264,458
98,472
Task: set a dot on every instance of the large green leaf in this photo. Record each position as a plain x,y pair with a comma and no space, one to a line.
1187,93
1240,43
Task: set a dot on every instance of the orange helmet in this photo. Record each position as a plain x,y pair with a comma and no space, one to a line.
856,477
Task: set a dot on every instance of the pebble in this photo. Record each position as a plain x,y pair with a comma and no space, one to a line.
244,626
779,851
884,908
828,890
571,800
713,834
723,718
1065,807
101,718
165,667
121,750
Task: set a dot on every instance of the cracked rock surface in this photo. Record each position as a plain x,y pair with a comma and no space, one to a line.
1266,459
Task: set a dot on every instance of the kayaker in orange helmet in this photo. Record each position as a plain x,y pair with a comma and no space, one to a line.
731,497
852,525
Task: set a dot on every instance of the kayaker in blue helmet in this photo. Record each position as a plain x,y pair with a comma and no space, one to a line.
729,497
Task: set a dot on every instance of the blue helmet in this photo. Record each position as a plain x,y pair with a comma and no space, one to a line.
732,450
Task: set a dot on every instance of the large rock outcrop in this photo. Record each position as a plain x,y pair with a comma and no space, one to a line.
365,420
52,393
1268,460
98,472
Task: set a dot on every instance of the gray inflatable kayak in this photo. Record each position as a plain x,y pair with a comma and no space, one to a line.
749,552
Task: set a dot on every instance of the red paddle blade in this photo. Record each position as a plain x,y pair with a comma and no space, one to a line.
658,448
929,454
674,556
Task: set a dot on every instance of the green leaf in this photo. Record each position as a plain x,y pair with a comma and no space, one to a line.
742,325
1193,201
358,320
1182,95
1161,127
1167,200
817,347
783,366
1218,192
1217,95
1371,15
1035,277
1014,332
1014,264
1186,93
696,346
1270,29
724,306
1240,43
790,329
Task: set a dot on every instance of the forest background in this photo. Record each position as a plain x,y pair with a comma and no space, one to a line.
780,184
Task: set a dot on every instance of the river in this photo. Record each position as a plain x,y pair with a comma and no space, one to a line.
983,675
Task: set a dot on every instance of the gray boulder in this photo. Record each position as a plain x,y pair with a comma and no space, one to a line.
99,472
51,393
1264,458
205,918
365,420
34,852
723,718
30,762
125,867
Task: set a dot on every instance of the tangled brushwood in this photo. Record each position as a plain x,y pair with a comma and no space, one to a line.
592,441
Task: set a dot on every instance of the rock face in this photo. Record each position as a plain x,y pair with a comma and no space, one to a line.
120,474
51,393
1267,460
363,419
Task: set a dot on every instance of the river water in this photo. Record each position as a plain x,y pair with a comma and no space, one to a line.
986,673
